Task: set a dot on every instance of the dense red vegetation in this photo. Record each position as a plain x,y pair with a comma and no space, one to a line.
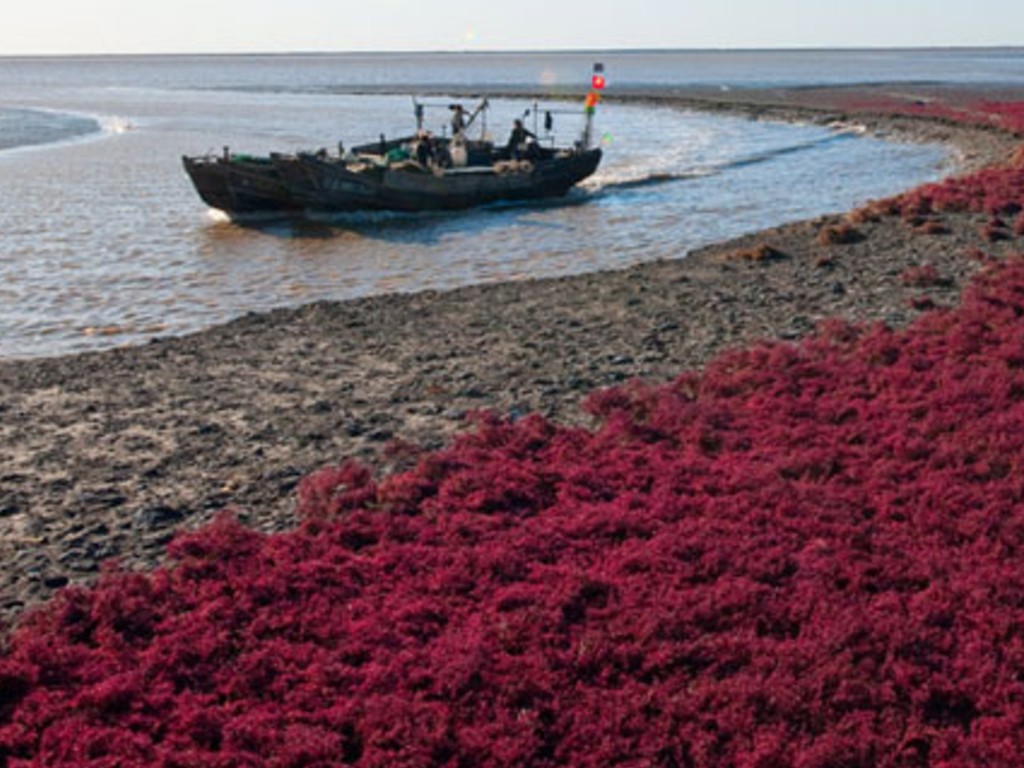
930,227
930,109
996,191
1008,115
810,555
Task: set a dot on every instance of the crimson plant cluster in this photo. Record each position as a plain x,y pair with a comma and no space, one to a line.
996,192
1007,115
808,555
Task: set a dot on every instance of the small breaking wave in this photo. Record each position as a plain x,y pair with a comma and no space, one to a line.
114,124
615,182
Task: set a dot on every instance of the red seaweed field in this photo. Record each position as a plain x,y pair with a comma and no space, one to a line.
996,191
809,555
1007,115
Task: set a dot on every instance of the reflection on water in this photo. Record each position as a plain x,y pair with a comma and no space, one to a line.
106,243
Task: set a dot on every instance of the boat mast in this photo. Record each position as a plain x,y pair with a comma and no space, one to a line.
597,83
481,112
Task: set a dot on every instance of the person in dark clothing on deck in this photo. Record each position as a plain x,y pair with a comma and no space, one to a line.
424,150
517,140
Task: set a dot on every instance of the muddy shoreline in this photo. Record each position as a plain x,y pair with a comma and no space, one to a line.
104,455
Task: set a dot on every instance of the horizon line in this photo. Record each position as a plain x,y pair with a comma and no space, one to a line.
515,51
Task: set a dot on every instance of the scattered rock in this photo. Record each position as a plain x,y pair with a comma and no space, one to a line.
104,498
55,581
159,516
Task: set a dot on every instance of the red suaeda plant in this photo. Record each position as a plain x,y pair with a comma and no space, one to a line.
994,191
997,191
1008,115
761,252
930,227
922,303
839,234
874,211
922,276
808,555
933,109
978,255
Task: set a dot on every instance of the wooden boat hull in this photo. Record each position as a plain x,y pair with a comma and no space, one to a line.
240,186
330,185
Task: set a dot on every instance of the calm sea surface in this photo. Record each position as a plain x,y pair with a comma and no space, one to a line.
104,241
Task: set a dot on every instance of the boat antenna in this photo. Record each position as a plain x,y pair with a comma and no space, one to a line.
417,109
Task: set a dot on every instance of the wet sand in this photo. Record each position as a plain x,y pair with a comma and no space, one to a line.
105,455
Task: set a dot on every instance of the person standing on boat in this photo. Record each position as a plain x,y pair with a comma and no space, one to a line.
424,149
517,139
458,120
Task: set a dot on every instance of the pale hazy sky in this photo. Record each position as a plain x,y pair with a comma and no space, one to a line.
187,26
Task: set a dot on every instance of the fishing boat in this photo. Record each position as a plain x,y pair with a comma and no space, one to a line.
420,172
371,182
